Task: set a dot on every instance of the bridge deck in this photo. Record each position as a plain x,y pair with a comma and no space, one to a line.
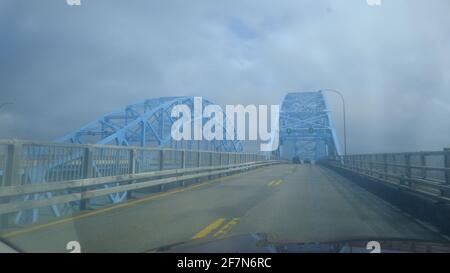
300,203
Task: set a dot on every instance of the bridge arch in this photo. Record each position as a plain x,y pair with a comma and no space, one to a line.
306,127
147,124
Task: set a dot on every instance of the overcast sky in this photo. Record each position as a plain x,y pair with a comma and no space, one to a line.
65,66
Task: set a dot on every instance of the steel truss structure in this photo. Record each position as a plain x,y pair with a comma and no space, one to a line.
306,128
146,124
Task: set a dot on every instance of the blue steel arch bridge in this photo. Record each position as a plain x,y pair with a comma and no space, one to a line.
129,153
148,124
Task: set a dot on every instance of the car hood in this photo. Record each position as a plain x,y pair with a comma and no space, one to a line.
258,243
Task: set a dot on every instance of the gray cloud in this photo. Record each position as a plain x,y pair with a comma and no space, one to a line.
65,66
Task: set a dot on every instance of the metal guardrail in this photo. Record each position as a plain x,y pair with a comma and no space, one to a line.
34,175
426,173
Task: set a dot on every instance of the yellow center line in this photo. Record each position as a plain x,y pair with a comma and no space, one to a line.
99,211
226,228
275,182
209,228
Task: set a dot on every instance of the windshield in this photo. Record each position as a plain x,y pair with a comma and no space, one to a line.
137,126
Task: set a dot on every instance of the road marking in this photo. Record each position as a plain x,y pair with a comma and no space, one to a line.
275,182
209,228
278,182
226,228
99,211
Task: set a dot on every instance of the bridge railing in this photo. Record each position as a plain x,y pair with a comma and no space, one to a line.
423,172
34,175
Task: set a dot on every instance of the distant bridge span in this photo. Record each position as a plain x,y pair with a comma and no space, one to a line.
306,128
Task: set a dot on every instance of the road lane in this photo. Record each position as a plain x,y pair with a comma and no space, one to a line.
301,203
315,204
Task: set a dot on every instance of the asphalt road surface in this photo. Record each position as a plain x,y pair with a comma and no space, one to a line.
290,203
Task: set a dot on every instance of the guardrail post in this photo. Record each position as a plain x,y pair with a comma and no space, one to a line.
408,169
364,169
361,166
87,173
221,163
183,164
447,172
161,165
359,163
161,159
13,165
394,161
183,159
199,163
132,161
132,170
447,165
12,176
210,163
423,163
385,166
